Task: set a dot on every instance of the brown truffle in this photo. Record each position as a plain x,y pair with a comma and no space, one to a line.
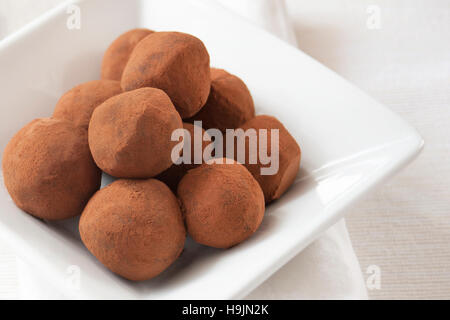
222,203
173,175
134,227
118,53
175,62
274,185
77,104
130,134
229,104
48,169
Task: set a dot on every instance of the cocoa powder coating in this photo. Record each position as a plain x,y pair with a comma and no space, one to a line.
229,104
118,53
78,104
134,227
172,176
222,203
175,62
275,185
130,134
48,169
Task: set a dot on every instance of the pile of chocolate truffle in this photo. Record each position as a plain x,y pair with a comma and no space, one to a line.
152,83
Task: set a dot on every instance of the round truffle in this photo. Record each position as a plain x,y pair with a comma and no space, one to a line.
130,134
173,175
48,169
289,154
134,227
118,53
78,103
222,203
175,62
229,104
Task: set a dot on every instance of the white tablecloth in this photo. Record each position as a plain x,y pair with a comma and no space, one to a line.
403,61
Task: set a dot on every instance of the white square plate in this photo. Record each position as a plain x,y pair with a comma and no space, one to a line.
349,142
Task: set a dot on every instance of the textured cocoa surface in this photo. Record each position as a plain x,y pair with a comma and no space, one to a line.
134,227
222,203
78,104
229,104
275,185
173,175
175,62
130,134
48,169
118,53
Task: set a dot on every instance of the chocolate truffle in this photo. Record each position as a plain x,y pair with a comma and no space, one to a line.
229,104
173,175
118,53
48,169
289,152
175,62
78,103
134,227
222,203
130,134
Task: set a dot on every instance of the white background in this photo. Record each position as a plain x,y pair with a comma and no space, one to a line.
404,226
